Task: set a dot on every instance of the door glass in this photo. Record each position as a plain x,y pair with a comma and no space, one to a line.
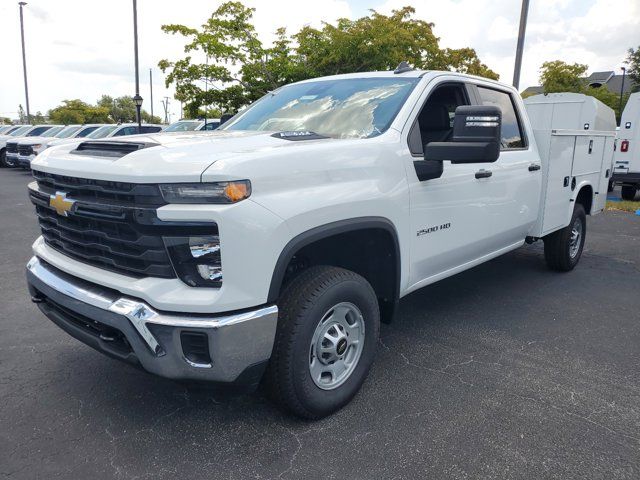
435,121
511,131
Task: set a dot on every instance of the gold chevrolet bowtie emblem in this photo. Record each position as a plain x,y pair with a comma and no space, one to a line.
61,203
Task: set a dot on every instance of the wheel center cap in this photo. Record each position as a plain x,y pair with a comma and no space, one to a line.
342,346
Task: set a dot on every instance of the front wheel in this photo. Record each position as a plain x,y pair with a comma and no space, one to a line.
628,192
3,158
563,248
325,342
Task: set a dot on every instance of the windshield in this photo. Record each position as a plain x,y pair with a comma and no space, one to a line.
38,131
182,126
102,131
348,108
67,132
20,131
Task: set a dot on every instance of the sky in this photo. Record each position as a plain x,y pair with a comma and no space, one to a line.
84,48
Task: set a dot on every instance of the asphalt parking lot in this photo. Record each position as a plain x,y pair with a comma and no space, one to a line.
505,371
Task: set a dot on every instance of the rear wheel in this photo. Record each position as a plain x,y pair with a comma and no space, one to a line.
325,342
563,248
628,192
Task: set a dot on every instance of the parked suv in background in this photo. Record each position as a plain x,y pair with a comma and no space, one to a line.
30,147
193,125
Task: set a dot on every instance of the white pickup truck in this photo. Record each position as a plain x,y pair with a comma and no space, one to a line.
270,250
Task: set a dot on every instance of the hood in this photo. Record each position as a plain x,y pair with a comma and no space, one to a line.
179,157
35,140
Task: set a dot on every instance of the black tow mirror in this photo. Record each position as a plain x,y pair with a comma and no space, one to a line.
476,137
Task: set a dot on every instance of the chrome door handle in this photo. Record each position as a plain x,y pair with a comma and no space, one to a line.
534,167
483,173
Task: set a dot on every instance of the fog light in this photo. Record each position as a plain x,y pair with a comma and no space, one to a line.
212,273
201,246
196,260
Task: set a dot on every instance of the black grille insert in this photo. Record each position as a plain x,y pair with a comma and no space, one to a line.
109,149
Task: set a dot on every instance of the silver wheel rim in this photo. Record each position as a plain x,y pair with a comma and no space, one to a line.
336,346
576,238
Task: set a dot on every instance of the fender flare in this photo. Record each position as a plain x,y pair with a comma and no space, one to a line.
328,230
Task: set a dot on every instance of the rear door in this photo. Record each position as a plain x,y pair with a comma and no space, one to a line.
517,176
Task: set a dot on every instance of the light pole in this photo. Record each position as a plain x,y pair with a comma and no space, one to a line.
624,72
523,27
137,98
151,90
24,62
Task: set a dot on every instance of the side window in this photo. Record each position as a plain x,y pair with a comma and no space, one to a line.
212,125
126,131
86,131
435,120
511,129
150,129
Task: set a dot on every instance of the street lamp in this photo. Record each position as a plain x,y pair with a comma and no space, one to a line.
624,72
24,62
138,101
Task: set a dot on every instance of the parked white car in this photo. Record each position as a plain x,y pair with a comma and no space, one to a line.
16,132
627,156
28,148
271,249
11,145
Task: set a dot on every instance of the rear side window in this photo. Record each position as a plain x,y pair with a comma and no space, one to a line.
152,129
511,130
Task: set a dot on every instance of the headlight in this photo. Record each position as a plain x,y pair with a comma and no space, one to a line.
196,259
36,146
216,192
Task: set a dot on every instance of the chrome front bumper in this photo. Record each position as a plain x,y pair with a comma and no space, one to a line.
239,344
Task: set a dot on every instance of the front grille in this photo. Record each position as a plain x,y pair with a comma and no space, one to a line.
12,147
112,225
25,150
102,191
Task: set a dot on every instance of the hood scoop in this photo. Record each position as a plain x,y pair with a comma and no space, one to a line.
110,149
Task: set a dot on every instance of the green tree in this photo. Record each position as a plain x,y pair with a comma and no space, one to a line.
633,70
38,118
123,110
239,69
558,76
22,117
77,111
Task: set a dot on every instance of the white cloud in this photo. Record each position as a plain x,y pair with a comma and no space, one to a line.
82,49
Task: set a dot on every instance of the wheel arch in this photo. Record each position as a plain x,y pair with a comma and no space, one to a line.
387,286
585,196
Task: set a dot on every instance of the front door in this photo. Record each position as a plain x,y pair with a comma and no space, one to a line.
452,220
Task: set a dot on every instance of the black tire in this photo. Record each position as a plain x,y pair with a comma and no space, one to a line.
610,186
302,306
558,245
3,158
628,192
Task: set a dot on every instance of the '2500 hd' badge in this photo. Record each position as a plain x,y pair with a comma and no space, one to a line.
61,203
436,228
